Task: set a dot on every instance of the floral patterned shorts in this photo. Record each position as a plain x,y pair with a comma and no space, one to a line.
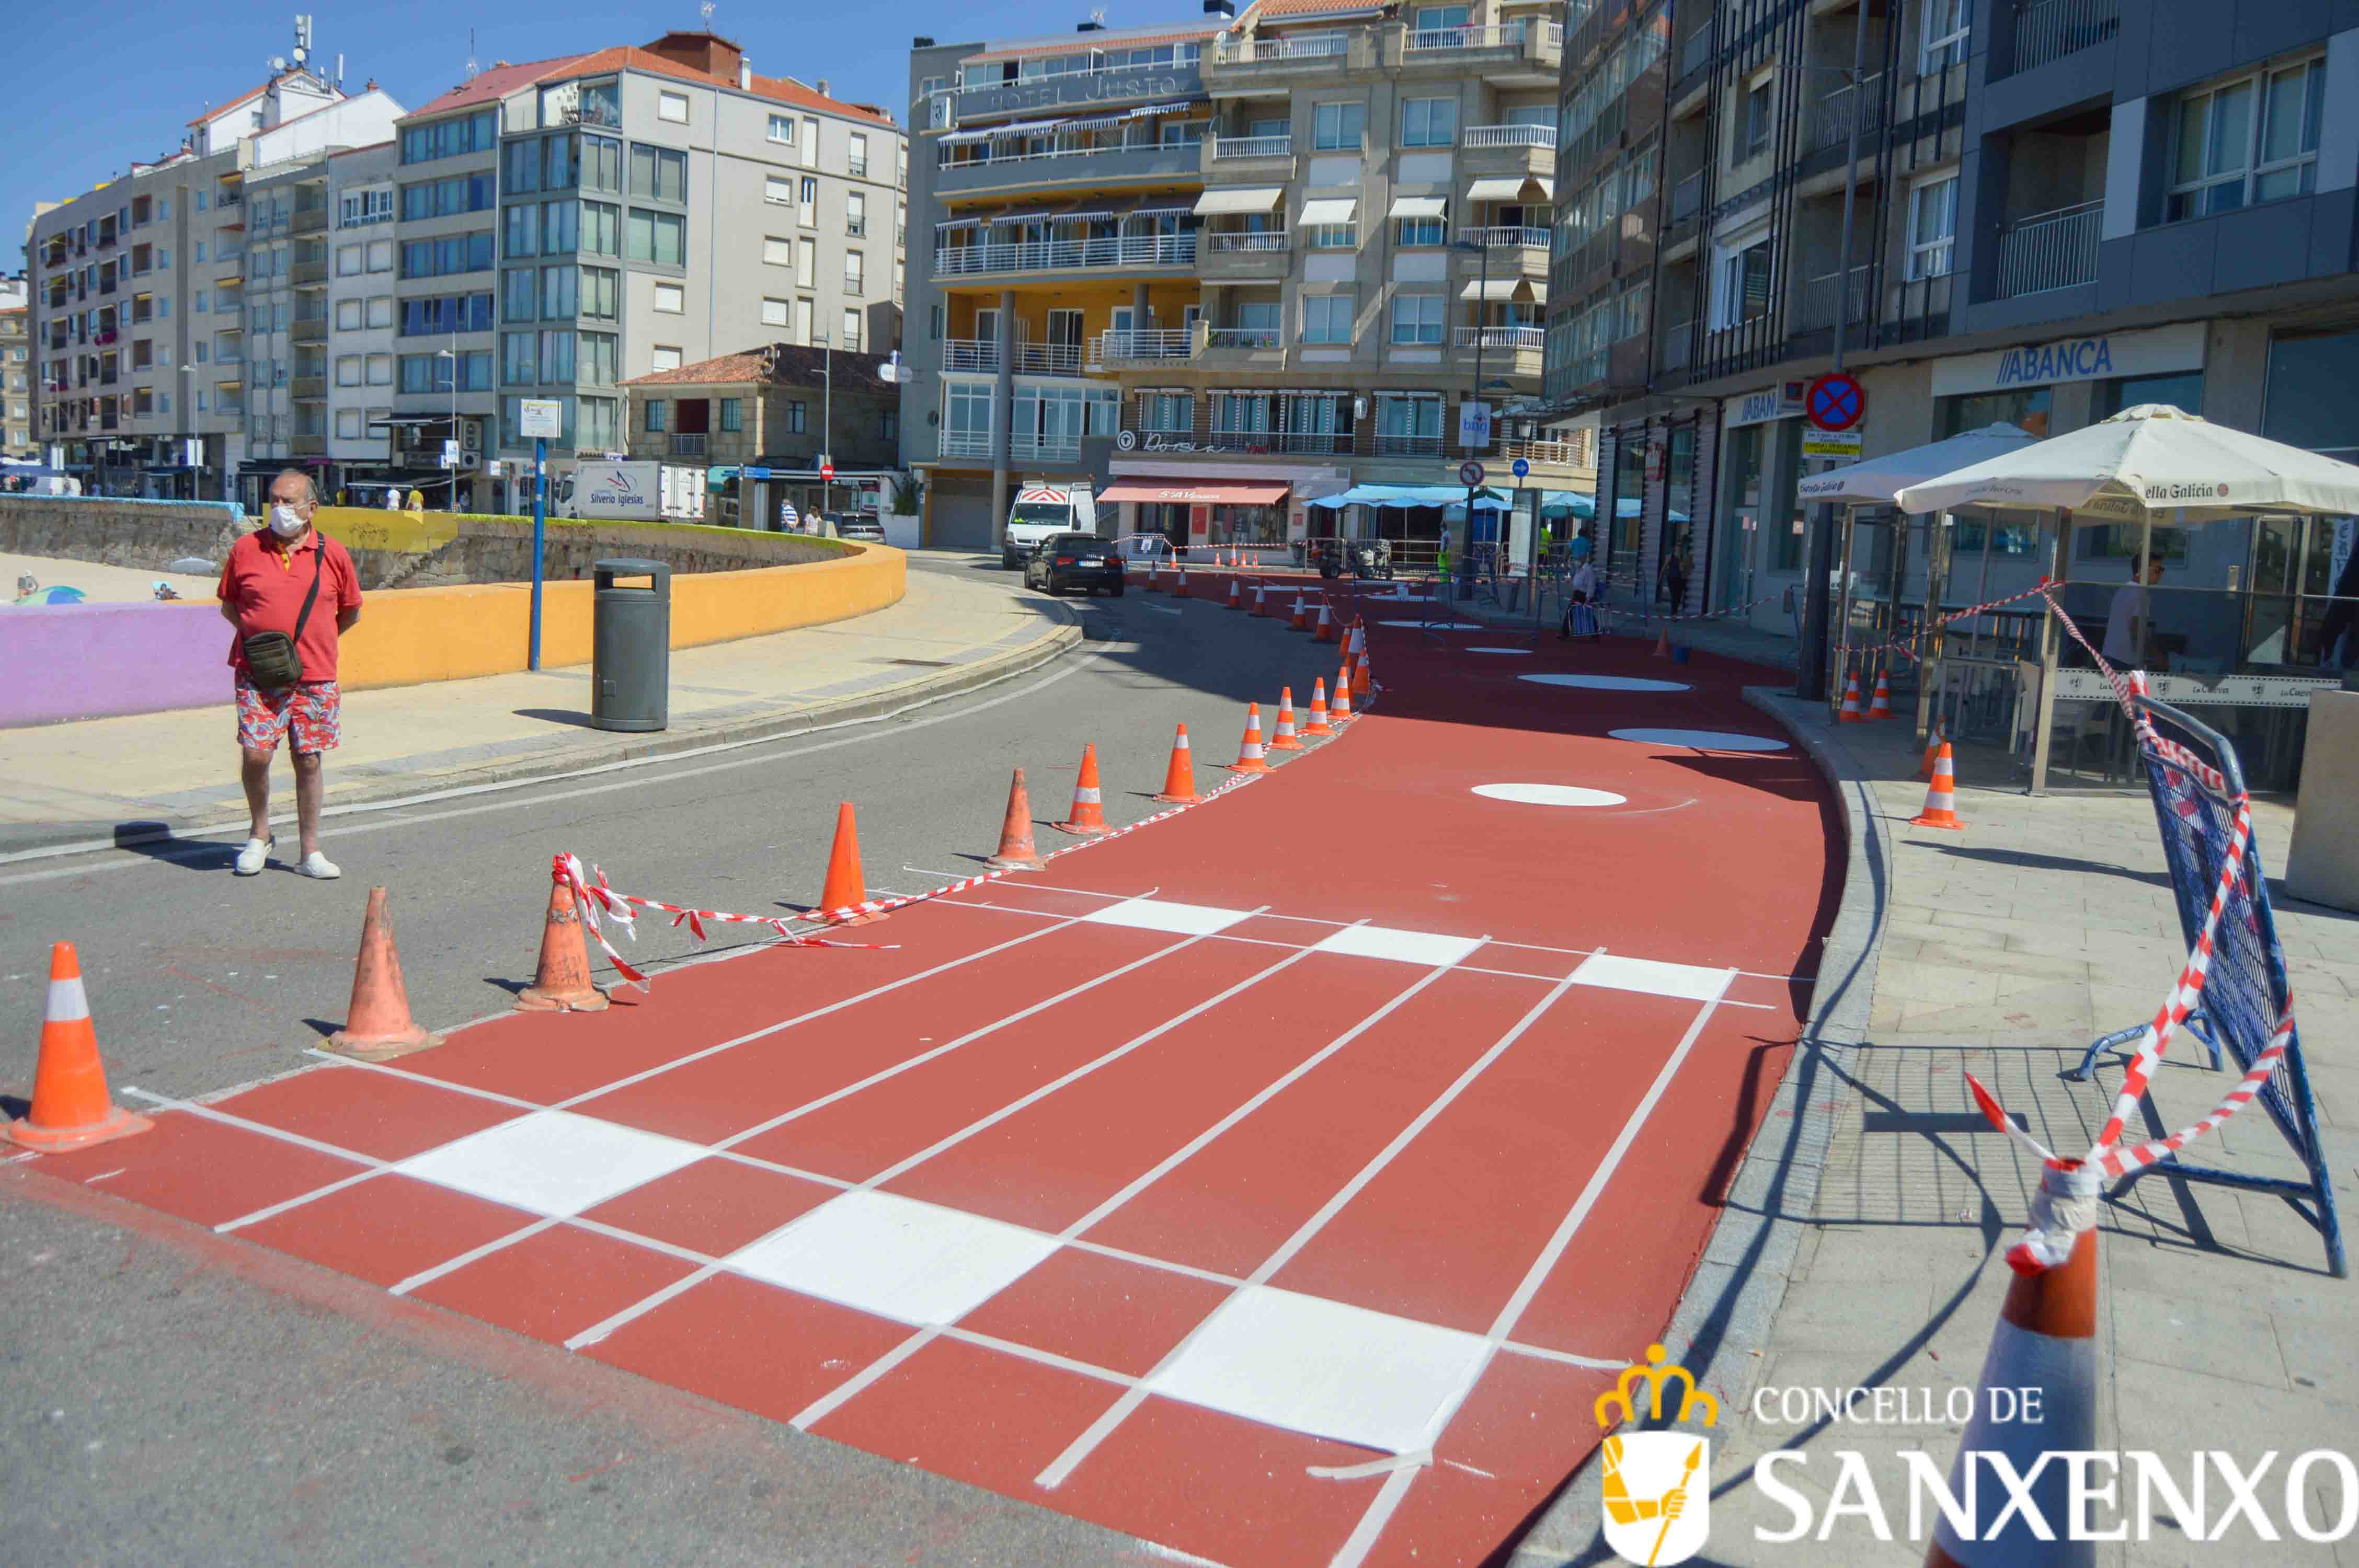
311,709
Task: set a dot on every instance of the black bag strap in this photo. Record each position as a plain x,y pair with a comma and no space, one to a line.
319,546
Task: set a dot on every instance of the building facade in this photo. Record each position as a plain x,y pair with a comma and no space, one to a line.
1221,270
361,313
568,224
2059,211
15,370
140,314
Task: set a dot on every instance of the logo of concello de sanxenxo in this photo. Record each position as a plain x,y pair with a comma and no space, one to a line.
1656,1487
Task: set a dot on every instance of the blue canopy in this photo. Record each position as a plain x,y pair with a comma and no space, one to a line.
1409,496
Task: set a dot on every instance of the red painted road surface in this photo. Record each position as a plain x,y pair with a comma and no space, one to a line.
1280,1184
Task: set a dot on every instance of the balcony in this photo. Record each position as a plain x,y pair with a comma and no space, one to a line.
1686,198
2049,250
308,446
1832,125
308,221
309,275
1540,137
969,353
1695,51
966,443
686,444
1241,338
1520,47
1220,149
1240,347
1068,165
1241,257
1509,237
1152,347
1077,90
2051,30
1394,444
1815,311
1515,339
1677,340
308,388
1316,51
312,331
1143,251
1026,448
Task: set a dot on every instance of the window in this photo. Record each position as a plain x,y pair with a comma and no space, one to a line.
1932,227
776,252
2182,390
656,415
518,359
1741,286
776,312
855,213
1413,232
732,417
601,293
853,267
810,202
888,426
474,133
1409,422
934,324
670,299
348,422
204,298
792,419
803,328
1946,25
601,358
350,260
666,357
658,173
443,198
355,209
1327,317
380,255
811,141
782,129
424,373
560,227
2253,139
557,356
380,310
557,293
520,168
968,414
450,253
601,427
199,254
1429,122
1168,413
441,315
807,264
519,295
202,347
1338,127
1759,111
659,237
522,235
602,229
672,106
602,163
380,370
778,189
1416,317
348,370
850,329
348,315
1333,236
557,163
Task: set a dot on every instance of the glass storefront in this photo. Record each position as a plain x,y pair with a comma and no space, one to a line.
2026,408
1740,516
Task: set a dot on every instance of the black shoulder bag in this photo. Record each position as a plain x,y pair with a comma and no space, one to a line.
272,663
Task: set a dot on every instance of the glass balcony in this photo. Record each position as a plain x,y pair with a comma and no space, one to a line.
1067,256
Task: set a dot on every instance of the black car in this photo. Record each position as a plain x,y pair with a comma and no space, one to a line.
1084,561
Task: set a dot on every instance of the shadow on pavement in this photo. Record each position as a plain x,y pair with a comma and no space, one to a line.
574,717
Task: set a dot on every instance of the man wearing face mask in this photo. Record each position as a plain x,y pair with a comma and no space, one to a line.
285,578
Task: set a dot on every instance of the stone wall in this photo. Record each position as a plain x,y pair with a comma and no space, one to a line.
148,535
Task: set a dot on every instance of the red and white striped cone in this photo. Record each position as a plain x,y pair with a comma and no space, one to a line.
1252,756
1318,725
1933,738
1851,713
1236,595
1340,712
1881,708
1326,631
1283,740
1179,589
1301,614
1261,599
1360,674
1941,795
1154,577
2046,1339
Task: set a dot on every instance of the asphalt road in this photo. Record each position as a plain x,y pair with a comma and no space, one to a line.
175,1397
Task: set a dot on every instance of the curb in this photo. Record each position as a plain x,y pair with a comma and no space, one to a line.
1721,1325
74,837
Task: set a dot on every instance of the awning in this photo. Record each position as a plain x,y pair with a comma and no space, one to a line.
1181,492
1513,188
1159,209
1408,495
960,223
1330,210
1418,206
1240,199
1500,289
1140,113
1086,215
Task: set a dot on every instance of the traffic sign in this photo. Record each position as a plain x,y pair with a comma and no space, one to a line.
826,468
1835,402
1521,468
539,418
1470,473
1845,444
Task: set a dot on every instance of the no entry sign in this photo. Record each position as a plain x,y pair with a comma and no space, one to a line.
1835,402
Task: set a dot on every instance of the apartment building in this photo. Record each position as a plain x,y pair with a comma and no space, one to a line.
1220,270
2060,210
570,223
361,318
15,370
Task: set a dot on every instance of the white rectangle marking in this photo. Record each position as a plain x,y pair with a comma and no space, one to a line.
554,1163
1408,946
913,1262
1621,974
1162,915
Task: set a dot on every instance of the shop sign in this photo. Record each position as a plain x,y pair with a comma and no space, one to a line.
1779,402
2100,357
1131,440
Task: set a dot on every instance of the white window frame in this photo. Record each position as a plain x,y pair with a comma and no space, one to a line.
676,294
1933,257
1727,284
2185,199
1326,304
1425,136
664,356
778,251
380,370
778,312
1434,305
381,311
1948,25
1341,106
778,189
671,107
785,123
349,370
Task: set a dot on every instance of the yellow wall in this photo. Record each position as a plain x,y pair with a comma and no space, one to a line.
410,635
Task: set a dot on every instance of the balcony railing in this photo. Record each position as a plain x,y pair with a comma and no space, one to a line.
687,445
1261,51
1531,337
1241,338
1064,255
2051,30
1252,146
1865,103
1819,297
1686,198
1505,237
1543,136
1428,40
1049,359
1400,446
1162,343
1265,240
966,443
1695,53
969,353
2049,250
1045,449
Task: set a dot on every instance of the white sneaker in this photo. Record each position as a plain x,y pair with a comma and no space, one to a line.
250,858
315,864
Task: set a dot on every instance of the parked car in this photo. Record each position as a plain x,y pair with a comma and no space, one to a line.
1074,561
864,530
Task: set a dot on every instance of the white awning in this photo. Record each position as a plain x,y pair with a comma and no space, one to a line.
1513,188
1330,210
1240,199
1499,288
1418,206
1153,209
1141,113
985,133
960,223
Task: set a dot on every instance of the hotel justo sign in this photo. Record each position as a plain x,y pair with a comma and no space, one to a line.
2160,352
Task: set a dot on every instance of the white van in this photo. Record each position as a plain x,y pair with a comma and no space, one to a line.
1037,512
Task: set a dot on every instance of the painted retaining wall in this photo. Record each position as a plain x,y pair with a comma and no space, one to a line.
91,660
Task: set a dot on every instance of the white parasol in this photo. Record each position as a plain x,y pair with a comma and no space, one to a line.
1877,480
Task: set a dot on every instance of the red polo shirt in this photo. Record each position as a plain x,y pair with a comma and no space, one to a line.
263,582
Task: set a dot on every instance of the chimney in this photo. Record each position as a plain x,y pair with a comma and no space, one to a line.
744,75
921,43
822,85
1221,9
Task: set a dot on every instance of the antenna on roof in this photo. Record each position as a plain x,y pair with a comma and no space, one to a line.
706,11
473,68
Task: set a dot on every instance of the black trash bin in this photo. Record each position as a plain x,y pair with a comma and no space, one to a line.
630,648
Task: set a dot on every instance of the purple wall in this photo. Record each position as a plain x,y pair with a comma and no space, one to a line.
86,661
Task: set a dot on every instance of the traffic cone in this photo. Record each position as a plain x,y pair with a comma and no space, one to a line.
1941,795
1325,631
1318,725
1088,809
1154,577
1340,713
1301,614
846,889
1663,643
1261,599
1882,707
561,982
1251,754
378,1025
2045,1339
1236,595
1933,738
1360,676
1016,850
1850,714
1284,739
71,1108
1358,639
1179,778
1179,589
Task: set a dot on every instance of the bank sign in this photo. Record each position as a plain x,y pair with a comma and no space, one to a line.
2046,362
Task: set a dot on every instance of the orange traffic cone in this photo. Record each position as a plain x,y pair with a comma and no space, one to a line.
1357,641
1016,850
1179,778
71,1108
1882,707
1850,714
1301,614
1933,738
1663,643
1326,631
1360,676
845,887
1941,795
1179,589
1261,599
560,983
1340,712
1284,739
2045,1339
1318,725
1251,754
1154,578
378,1025
1089,808
1236,595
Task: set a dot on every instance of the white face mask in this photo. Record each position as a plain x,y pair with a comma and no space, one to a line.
285,521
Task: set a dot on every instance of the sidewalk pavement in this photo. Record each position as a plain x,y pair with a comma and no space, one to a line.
135,776
2002,951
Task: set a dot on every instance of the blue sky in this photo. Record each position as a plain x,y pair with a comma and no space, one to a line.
90,85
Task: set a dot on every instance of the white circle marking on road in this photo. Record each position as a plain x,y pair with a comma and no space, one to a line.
1609,683
1701,740
1550,795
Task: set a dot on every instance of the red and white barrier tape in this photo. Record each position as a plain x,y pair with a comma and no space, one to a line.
1906,646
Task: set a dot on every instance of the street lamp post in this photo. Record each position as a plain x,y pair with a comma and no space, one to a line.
1481,247
189,412
826,341
451,453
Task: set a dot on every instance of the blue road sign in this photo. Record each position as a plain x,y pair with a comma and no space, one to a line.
1521,468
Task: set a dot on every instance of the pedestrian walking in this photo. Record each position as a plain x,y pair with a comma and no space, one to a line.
1671,582
1579,605
416,502
2129,621
291,593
